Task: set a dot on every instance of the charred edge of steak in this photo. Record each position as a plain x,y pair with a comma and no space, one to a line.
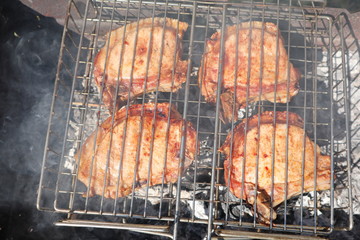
264,210
162,111
229,103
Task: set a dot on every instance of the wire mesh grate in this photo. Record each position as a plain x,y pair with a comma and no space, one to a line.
314,44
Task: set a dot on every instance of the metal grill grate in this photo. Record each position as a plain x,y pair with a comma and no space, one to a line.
314,43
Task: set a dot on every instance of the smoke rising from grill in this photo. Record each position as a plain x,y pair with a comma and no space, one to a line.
29,50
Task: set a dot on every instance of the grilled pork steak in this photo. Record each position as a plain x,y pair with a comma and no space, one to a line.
145,57
262,67
158,151
261,147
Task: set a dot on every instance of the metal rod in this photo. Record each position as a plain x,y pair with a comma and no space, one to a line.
261,73
139,138
232,117
287,124
274,123
198,116
304,136
332,122
156,97
158,230
231,234
315,128
184,126
119,174
217,121
347,124
246,115
169,118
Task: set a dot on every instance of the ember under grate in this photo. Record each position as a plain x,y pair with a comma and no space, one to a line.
315,45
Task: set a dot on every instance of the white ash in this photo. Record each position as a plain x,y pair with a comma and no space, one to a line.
308,200
72,134
205,150
187,197
198,209
154,193
242,111
238,210
70,161
194,73
196,206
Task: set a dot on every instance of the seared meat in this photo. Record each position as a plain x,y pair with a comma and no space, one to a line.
264,57
145,38
262,148
112,160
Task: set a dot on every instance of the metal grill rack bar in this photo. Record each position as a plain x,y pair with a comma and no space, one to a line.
315,45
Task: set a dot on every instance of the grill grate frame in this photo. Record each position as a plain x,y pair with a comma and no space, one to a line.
78,110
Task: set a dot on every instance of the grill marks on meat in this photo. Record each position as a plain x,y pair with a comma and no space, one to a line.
164,156
262,70
149,40
246,188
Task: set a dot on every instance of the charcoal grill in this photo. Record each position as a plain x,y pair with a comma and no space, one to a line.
315,44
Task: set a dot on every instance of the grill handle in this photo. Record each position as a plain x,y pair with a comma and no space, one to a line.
234,234
141,228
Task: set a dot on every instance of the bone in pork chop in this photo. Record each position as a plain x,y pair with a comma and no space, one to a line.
144,58
256,74
261,147
159,151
